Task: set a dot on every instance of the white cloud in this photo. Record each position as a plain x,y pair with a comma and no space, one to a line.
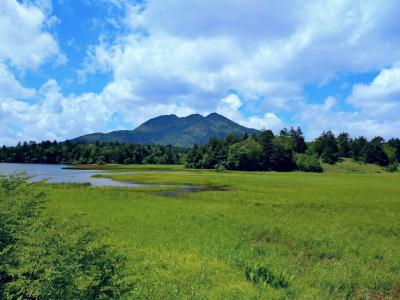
233,101
11,87
253,20
380,98
197,52
24,43
53,117
176,56
230,107
293,40
268,121
314,121
377,104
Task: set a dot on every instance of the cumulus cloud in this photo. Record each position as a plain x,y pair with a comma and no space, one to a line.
314,121
11,87
262,43
249,61
250,21
197,52
377,109
230,107
53,117
380,98
233,101
24,43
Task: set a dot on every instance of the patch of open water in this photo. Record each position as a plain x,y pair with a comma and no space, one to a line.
66,174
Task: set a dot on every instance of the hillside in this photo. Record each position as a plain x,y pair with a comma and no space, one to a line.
173,130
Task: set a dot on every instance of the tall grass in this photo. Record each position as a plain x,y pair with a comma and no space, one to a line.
270,235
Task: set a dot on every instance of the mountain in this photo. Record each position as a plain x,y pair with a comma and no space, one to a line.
170,129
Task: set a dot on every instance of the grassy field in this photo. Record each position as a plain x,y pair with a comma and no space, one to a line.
334,235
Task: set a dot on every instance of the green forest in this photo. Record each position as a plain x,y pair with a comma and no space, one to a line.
289,151
48,152
286,151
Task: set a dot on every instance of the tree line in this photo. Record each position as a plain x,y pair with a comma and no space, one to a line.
285,151
289,151
70,153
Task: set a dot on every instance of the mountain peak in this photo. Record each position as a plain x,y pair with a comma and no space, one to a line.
194,116
173,130
171,116
216,116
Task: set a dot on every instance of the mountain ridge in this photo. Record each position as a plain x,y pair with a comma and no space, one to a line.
172,130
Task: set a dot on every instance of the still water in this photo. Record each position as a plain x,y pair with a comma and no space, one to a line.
60,174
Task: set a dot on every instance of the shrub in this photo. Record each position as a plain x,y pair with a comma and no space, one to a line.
65,261
220,167
281,158
263,276
245,155
375,154
392,167
43,259
308,163
330,157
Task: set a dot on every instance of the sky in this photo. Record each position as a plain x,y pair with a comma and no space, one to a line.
72,67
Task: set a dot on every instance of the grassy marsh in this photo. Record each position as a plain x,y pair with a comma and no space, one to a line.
271,235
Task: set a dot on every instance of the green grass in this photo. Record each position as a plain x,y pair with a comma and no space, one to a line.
327,236
347,165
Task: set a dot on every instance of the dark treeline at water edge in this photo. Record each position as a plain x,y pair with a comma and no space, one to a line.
286,151
48,152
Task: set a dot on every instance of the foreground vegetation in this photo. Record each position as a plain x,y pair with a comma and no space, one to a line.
268,236
43,257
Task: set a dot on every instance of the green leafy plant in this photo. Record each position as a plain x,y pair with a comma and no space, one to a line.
263,276
392,167
308,163
44,259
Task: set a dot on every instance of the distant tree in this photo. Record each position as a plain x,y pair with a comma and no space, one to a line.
214,154
299,144
246,155
67,152
395,144
326,147
232,139
343,142
358,148
266,139
308,163
284,132
374,152
390,152
282,155
194,157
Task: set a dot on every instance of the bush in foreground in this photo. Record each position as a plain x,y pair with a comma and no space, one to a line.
43,259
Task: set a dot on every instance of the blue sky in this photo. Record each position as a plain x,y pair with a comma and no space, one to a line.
69,68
